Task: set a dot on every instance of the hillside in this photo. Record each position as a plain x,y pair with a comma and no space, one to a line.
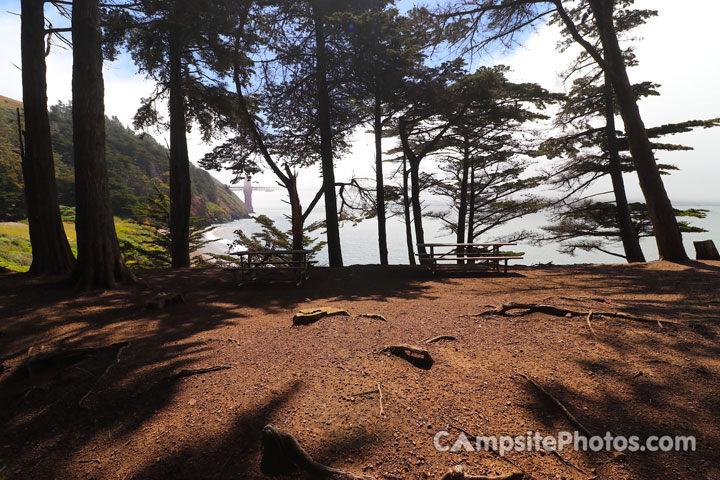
135,162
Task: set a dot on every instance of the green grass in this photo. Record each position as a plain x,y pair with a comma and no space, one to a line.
16,252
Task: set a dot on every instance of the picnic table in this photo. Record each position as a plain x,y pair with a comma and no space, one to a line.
465,255
272,264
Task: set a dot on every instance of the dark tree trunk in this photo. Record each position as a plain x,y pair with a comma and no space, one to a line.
462,209
662,215
51,253
408,217
628,234
99,262
417,209
380,183
328,169
296,214
180,195
414,189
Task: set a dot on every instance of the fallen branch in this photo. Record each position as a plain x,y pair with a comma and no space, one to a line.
528,308
282,455
376,316
417,356
440,337
560,405
199,371
458,473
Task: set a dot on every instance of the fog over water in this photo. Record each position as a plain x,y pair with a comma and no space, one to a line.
359,242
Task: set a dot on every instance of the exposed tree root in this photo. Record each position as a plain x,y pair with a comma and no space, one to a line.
458,473
589,317
440,337
560,405
417,356
199,371
282,455
122,347
162,300
376,316
514,309
312,315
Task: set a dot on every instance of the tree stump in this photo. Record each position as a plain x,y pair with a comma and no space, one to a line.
706,250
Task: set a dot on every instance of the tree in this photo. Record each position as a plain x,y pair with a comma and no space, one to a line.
385,47
169,40
486,156
430,110
504,19
99,261
50,248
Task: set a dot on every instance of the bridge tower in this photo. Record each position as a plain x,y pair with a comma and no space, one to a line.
247,191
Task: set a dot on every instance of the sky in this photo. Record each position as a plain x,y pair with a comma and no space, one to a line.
675,49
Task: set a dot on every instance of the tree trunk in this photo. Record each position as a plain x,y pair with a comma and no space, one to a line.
462,209
326,154
471,214
296,214
628,234
380,184
417,210
662,215
51,253
406,211
414,189
180,195
99,262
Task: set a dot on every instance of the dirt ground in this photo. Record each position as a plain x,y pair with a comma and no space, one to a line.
122,411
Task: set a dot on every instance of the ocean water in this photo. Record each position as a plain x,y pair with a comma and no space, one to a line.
359,242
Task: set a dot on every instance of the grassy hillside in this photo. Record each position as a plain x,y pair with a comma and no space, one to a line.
16,252
135,162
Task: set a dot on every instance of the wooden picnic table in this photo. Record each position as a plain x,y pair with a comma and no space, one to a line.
466,254
255,264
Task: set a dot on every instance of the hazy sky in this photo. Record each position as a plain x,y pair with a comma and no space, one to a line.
676,49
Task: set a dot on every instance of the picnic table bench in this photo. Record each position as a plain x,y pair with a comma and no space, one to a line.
466,255
272,264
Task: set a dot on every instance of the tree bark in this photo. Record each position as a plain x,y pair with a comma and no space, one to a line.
406,211
180,194
662,215
51,253
462,209
326,154
380,183
628,234
99,262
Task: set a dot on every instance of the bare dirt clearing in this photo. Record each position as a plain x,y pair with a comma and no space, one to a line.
129,411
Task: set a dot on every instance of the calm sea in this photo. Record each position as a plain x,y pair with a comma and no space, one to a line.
359,242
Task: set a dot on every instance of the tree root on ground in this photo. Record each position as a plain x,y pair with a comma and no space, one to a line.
440,337
417,356
122,347
199,371
282,455
458,473
514,309
376,316
312,315
162,300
